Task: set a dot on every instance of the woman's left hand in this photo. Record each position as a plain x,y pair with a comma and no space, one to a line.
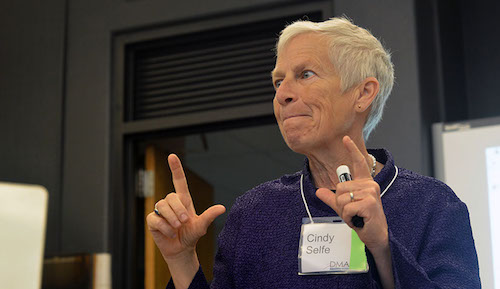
367,202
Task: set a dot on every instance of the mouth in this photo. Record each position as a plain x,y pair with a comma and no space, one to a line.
294,116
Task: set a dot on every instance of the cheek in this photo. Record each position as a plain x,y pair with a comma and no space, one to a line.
323,101
276,109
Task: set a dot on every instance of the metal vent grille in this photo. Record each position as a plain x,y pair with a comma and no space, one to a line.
208,70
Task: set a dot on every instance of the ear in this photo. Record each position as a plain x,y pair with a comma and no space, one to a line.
366,93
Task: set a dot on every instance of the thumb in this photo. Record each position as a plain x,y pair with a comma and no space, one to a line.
328,197
211,213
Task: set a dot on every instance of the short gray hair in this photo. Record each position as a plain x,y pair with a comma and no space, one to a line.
355,54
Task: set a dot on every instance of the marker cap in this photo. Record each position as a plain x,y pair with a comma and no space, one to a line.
343,169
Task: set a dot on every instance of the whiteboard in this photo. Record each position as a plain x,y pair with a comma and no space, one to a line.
467,158
23,217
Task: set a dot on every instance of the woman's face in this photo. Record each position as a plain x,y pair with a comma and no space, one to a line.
309,107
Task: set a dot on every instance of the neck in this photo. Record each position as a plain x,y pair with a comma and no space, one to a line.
324,163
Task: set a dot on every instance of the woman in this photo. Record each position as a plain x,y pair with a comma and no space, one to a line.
332,80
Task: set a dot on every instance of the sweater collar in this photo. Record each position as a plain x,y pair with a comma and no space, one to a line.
385,176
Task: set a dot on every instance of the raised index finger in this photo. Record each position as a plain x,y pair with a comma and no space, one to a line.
179,178
359,168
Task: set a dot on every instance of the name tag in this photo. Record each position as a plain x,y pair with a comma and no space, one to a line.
329,246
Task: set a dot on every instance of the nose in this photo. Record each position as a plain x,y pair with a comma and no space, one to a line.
285,93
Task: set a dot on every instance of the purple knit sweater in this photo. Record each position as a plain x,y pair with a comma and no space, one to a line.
429,234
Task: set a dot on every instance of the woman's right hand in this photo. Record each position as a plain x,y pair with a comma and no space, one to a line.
177,228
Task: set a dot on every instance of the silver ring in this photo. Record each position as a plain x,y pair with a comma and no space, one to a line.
156,210
352,196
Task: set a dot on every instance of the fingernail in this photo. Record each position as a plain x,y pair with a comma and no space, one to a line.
177,224
173,236
184,217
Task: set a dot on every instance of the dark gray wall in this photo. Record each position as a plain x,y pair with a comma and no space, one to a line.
31,99
481,46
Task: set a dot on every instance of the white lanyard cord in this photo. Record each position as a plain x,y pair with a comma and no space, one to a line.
304,198
390,184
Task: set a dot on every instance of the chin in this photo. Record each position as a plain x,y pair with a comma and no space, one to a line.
297,145
298,140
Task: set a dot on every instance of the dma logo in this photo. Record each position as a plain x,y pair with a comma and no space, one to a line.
339,265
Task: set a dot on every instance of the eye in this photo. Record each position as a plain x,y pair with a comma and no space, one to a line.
277,83
307,74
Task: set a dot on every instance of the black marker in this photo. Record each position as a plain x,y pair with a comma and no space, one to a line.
345,175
